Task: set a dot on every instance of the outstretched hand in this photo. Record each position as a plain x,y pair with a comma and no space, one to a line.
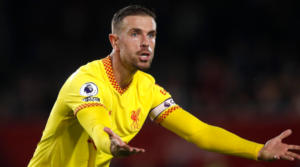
118,148
274,149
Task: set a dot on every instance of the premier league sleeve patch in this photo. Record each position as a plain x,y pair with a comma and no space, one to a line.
89,89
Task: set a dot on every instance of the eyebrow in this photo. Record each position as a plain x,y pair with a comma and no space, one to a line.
139,30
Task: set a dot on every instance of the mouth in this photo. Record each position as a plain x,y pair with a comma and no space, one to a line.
144,56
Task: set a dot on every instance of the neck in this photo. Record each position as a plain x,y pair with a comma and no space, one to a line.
122,73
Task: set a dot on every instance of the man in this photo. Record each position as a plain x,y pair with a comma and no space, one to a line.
104,104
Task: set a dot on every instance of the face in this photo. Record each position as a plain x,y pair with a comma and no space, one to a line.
136,41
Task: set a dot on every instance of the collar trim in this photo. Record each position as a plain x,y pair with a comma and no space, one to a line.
109,71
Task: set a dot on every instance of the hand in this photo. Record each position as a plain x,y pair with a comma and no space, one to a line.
275,149
118,148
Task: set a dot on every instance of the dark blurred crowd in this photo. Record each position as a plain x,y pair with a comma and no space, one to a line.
220,60
227,62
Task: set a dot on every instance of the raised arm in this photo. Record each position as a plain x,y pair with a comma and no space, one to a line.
216,139
209,137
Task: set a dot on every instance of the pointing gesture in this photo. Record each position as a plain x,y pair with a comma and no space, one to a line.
118,148
274,149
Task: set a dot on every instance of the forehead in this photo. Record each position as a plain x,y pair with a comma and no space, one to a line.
146,23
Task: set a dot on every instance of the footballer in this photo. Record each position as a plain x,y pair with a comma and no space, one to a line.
105,103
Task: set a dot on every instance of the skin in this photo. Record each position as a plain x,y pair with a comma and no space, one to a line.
136,36
118,148
274,149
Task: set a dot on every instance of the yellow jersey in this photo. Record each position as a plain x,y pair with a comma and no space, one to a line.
66,144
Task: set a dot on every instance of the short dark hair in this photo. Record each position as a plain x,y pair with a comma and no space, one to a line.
132,10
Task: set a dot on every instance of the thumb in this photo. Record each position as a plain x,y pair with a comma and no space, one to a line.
114,137
285,134
108,131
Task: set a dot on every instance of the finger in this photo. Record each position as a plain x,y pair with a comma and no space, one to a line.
294,147
139,150
285,134
291,154
133,150
142,150
112,134
286,157
108,131
126,148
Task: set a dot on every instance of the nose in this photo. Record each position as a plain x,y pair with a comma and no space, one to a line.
145,41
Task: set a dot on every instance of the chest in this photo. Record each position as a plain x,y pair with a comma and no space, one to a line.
128,112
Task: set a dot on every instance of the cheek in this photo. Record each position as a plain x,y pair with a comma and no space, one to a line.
129,45
153,43
132,43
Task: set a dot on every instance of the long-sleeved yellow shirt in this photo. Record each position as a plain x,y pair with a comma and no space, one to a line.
93,95
67,142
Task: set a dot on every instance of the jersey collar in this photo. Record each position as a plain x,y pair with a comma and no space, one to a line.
109,71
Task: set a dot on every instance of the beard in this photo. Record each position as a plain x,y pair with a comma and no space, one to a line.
134,62
142,66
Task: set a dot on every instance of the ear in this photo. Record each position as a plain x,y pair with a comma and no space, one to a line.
113,38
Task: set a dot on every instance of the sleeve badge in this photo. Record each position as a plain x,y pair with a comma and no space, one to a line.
89,89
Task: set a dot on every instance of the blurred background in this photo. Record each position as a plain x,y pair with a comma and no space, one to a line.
233,64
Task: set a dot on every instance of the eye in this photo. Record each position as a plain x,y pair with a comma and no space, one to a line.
134,34
151,35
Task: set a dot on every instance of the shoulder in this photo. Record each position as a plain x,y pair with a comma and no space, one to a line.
87,76
143,83
145,78
89,71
